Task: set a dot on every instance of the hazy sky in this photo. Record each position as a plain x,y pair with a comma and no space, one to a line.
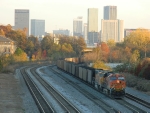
60,13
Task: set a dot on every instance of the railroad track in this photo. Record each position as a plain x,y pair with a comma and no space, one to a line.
107,108
138,100
64,103
133,108
41,102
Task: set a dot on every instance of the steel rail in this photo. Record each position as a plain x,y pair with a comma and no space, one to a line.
69,107
41,102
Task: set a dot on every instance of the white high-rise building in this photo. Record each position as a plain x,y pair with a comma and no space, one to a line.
92,20
22,20
112,29
78,27
37,27
92,26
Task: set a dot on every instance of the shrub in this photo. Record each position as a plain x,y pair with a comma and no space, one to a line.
143,68
126,67
131,80
136,82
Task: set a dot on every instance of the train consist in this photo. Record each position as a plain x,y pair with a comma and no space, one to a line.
111,83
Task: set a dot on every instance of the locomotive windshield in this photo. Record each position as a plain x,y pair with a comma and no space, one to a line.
113,78
121,78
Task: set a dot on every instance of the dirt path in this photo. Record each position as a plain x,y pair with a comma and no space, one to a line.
10,101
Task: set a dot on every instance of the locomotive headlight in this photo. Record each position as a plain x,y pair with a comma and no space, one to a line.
117,81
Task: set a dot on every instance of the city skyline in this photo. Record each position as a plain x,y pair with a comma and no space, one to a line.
134,13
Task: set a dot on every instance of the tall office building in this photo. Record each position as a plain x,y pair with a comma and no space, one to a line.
110,12
22,20
37,27
92,26
85,32
111,27
77,27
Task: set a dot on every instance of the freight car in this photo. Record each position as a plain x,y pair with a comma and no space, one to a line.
111,83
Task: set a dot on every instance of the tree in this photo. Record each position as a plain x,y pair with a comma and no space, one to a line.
5,29
115,55
111,44
135,57
139,39
44,54
20,55
35,41
19,37
100,65
67,50
105,51
47,43
37,54
80,45
126,54
2,32
30,48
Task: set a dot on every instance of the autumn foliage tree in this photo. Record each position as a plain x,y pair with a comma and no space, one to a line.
5,29
100,65
111,44
20,55
105,51
19,37
143,68
140,40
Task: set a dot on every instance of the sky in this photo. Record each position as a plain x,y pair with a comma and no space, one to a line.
59,14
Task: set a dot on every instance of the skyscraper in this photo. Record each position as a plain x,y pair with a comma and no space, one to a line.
92,27
37,27
111,27
85,32
77,27
110,12
22,20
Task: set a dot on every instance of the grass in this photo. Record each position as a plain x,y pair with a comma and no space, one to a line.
140,84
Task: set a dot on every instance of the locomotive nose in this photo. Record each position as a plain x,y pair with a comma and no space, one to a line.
118,81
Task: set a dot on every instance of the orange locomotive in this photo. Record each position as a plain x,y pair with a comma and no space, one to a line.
111,83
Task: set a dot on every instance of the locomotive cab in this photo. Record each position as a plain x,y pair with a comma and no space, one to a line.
116,84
